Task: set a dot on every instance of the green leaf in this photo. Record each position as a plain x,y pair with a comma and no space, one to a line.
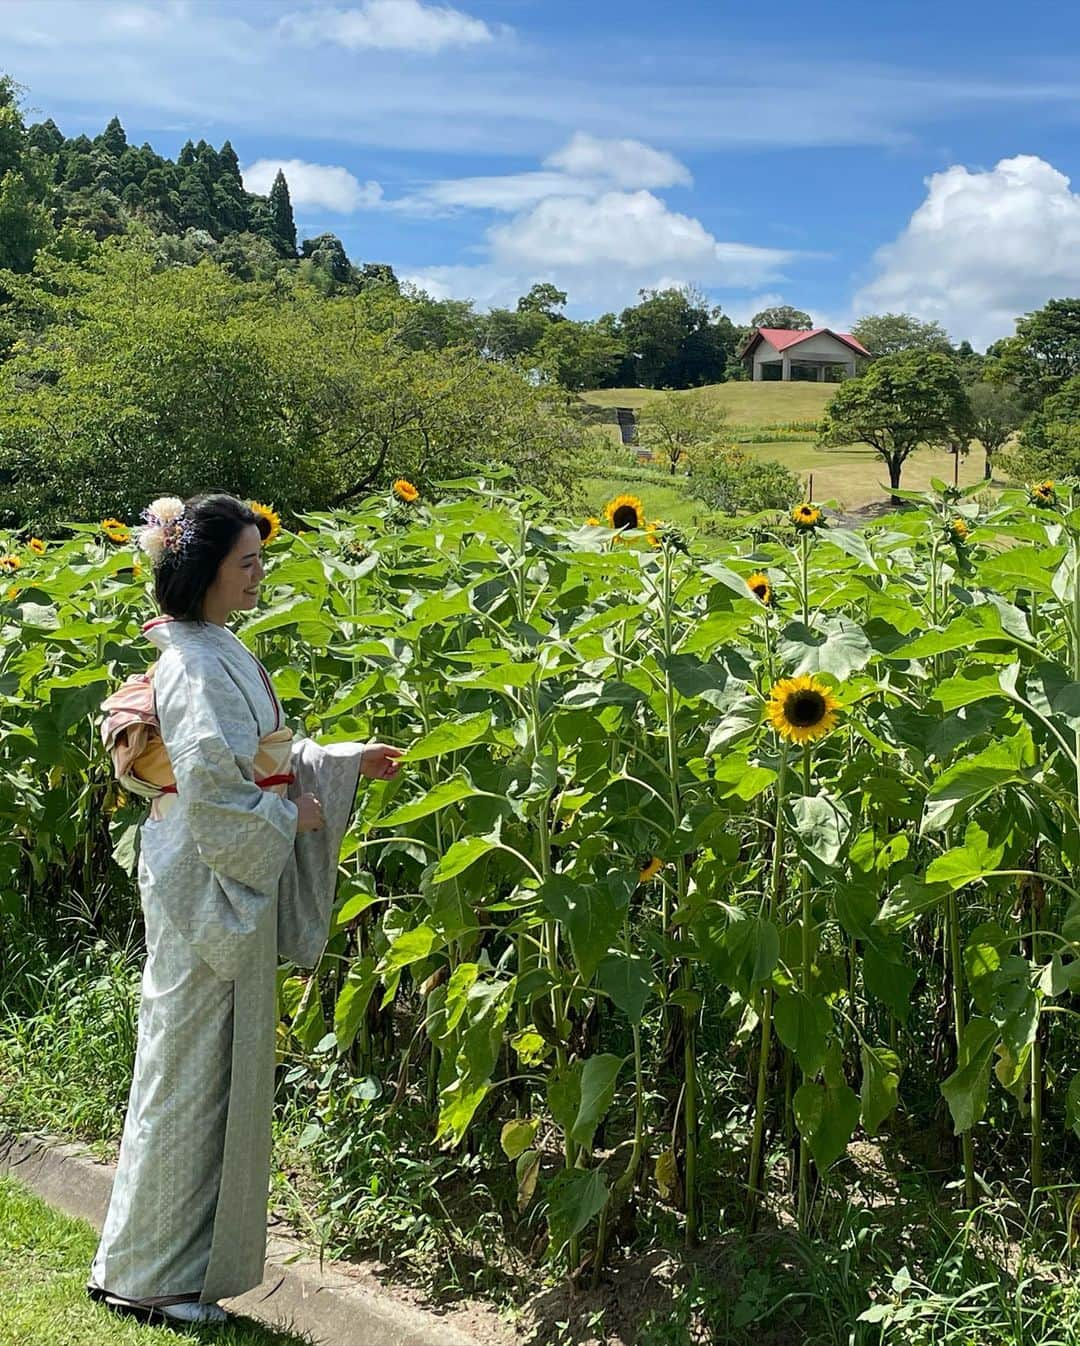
438,797
410,947
598,1078
826,1116
820,825
517,1136
628,980
802,1025
880,1081
968,781
458,1104
964,864
353,1000
1072,1105
461,855
590,914
910,898
838,646
575,1196
564,1095
889,979
449,737
967,1087
966,687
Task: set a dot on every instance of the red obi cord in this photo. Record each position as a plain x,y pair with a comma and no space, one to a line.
267,782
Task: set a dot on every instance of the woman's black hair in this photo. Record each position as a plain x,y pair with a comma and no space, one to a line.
212,525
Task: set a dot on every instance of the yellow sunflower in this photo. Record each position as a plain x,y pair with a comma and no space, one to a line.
806,517
801,709
592,521
759,586
36,546
652,536
10,563
116,531
13,593
1044,494
625,511
273,521
958,530
406,491
650,869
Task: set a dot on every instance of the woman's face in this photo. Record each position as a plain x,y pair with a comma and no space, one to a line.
236,584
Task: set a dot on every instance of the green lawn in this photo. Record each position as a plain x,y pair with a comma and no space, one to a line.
44,1258
761,404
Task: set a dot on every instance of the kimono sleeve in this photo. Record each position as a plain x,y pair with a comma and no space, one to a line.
210,733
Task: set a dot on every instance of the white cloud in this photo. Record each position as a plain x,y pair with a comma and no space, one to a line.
627,163
631,231
388,25
326,185
602,251
514,191
982,249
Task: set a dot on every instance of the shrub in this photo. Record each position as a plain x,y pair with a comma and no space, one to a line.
729,479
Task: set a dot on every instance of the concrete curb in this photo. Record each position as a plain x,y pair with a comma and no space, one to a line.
296,1295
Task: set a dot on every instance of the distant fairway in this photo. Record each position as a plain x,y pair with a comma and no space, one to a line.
850,477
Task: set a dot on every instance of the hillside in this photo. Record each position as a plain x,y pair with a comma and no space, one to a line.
762,404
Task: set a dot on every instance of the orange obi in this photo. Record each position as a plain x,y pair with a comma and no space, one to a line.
272,759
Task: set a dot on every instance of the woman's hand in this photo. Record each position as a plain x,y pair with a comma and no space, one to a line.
310,814
380,761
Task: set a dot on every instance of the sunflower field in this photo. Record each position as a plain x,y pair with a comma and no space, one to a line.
799,810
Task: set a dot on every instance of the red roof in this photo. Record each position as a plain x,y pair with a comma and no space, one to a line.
780,338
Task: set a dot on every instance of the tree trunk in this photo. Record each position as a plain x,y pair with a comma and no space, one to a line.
895,464
987,469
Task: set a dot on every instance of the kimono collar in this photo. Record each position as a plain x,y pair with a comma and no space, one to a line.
165,632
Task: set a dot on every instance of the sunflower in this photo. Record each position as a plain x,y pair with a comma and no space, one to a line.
653,536
806,517
801,709
1044,494
10,563
625,511
759,586
116,531
273,521
650,869
406,491
36,546
958,531
13,593
592,521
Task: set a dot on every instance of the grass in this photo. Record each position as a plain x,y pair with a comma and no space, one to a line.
851,477
44,1258
764,404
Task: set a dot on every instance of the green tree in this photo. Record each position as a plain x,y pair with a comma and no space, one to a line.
997,411
281,216
509,335
889,333
25,224
579,355
675,339
1045,352
673,425
1048,444
783,317
904,400
545,299
728,479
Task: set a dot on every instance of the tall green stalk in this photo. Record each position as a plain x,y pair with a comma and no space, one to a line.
956,970
754,1178
805,971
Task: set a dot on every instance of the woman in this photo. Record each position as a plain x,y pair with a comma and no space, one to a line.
237,867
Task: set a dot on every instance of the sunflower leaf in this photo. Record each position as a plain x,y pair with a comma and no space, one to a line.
838,646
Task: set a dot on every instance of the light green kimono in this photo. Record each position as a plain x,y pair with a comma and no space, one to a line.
227,888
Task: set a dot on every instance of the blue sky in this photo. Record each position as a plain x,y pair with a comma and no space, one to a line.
845,160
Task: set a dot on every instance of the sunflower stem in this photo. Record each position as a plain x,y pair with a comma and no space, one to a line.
804,978
754,1179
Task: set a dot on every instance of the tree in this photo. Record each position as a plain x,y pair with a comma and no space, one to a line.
281,217
783,317
544,298
676,423
579,355
997,411
888,333
508,335
728,479
904,400
327,253
1045,352
25,226
675,339
1049,441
